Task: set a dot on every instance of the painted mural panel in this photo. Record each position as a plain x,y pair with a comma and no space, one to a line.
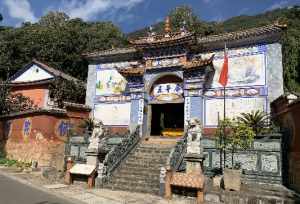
244,70
109,82
234,107
113,114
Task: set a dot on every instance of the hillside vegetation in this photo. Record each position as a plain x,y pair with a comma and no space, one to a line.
60,41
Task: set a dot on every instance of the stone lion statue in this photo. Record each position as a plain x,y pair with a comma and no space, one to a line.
194,136
97,134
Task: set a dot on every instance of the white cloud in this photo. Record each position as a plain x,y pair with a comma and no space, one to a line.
20,9
279,4
88,9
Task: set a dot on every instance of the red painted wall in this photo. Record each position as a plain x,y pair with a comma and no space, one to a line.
41,137
37,93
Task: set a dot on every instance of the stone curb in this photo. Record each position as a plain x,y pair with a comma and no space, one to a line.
40,188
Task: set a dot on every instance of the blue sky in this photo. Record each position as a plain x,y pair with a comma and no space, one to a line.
133,14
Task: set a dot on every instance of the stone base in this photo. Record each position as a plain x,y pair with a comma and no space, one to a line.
92,157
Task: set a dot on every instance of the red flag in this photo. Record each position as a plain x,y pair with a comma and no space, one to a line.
224,73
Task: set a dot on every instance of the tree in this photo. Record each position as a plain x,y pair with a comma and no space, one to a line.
1,17
62,90
184,14
54,19
233,135
257,120
12,103
241,137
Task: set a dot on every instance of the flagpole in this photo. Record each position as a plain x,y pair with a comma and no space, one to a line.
224,129
224,117
223,79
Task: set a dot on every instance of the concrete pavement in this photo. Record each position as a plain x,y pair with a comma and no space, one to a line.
15,192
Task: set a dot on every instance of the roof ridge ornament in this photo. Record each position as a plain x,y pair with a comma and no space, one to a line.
183,29
167,27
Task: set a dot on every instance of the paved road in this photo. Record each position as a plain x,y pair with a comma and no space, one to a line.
14,192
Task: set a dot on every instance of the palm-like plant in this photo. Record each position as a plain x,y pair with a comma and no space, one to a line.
257,120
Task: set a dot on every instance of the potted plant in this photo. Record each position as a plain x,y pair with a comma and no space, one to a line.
257,120
240,137
233,135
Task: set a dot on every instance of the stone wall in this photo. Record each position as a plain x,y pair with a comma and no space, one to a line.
262,163
36,138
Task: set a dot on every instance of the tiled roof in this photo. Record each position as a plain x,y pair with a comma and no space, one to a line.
165,39
195,63
236,35
59,112
55,72
51,70
114,51
76,106
179,38
20,83
132,71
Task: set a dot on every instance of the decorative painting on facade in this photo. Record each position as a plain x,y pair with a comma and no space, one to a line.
234,106
247,70
27,128
62,128
113,114
109,82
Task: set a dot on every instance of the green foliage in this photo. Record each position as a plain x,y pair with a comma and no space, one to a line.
233,135
54,19
178,16
62,90
257,120
58,41
223,129
11,103
4,93
182,14
88,124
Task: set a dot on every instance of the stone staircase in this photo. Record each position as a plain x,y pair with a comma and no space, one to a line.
141,170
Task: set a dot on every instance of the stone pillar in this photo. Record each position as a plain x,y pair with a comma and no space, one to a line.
68,179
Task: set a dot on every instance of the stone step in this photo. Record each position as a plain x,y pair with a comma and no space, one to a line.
133,184
143,167
137,176
144,161
134,189
137,173
157,150
140,172
130,181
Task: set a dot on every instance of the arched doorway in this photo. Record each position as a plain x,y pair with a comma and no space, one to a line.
166,105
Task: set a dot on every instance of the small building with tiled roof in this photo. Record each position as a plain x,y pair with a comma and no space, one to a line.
129,83
40,132
33,81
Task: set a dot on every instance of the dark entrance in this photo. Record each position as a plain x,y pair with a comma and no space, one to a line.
167,116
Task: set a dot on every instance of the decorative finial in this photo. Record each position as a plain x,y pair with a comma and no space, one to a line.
167,25
183,28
